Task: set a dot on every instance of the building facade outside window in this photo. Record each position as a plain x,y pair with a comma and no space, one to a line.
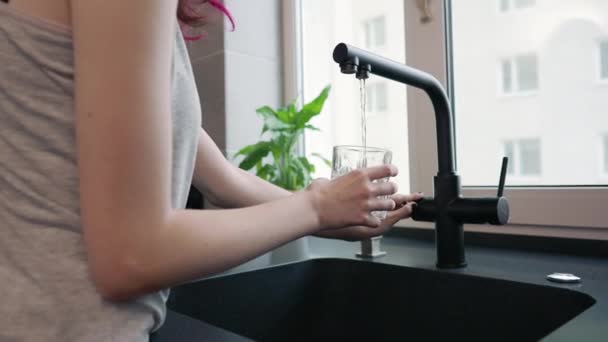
559,62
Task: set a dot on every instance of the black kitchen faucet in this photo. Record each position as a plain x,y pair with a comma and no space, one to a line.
448,209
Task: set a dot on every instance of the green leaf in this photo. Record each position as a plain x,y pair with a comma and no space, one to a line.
255,156
266,172
326,161
266,111
283,115
273,120
313,108
247,149
292,112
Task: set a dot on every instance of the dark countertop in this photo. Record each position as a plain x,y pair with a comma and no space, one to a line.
522,266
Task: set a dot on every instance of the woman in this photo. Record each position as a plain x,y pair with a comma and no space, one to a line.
99,142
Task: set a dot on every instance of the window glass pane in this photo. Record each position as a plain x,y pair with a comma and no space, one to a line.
604,59
527,75
506,76
567,109
326,23
530,157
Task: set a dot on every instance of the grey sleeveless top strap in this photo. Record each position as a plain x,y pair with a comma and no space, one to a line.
46,291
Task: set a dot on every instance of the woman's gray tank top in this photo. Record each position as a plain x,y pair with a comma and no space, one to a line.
46,293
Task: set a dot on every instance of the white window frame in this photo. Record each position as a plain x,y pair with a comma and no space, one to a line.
570,212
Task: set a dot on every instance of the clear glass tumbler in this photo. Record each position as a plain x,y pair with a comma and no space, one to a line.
347,158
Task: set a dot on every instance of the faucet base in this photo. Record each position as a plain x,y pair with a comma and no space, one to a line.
370,249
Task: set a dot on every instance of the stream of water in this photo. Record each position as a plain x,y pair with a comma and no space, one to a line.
363,121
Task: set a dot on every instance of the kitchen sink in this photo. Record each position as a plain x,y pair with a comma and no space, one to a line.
351,300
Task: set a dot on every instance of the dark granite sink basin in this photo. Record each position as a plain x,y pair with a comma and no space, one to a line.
351,300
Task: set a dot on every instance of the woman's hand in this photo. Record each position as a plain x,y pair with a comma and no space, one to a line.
348,200
405,204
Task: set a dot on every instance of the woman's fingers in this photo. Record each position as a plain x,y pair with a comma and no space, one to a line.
381,204
384,188
403,212
382,171
402,199
372,221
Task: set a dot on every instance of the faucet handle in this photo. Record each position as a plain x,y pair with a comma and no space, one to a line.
503,175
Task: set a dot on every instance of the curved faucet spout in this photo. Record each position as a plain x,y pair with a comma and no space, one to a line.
351,58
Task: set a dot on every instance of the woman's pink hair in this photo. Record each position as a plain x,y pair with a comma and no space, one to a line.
190,16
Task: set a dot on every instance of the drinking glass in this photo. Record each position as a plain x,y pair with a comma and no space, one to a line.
348,157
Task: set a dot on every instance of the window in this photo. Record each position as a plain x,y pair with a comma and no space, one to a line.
604,60
482,54
519,74
524,157
546,173
507,5
376,97
375,32
324,25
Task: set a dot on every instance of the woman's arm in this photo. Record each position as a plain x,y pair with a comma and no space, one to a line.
226,185
136,242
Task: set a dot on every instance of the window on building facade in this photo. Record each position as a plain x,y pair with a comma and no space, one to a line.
375,32
524,157
519,74
377,97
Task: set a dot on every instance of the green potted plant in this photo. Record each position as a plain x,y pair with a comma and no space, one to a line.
283,127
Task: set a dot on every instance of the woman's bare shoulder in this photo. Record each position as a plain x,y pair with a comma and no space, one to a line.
56,11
